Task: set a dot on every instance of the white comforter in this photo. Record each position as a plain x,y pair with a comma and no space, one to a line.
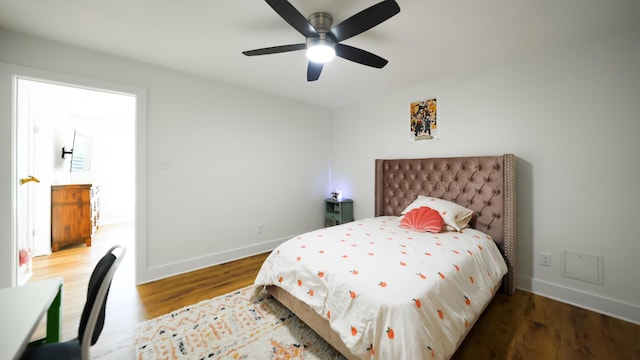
391,293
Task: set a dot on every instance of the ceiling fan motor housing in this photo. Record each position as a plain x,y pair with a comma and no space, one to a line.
321,49
321,21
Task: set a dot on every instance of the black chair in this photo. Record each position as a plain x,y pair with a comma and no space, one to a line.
93,314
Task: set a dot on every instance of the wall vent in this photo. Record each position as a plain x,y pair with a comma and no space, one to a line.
583,267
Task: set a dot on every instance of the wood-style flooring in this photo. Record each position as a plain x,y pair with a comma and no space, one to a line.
520,326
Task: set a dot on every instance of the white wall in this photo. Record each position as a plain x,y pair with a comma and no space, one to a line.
238,158
571,117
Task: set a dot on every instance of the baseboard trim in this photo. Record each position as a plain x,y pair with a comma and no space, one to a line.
579,298
192,264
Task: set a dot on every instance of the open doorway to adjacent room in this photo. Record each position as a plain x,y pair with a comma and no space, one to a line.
68,135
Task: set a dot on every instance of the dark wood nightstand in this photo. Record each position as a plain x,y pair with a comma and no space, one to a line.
338,211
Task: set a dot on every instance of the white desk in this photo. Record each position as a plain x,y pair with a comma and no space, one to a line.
22,309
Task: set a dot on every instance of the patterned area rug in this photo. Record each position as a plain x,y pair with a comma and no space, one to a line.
240,325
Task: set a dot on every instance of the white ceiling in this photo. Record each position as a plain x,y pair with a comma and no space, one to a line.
428,39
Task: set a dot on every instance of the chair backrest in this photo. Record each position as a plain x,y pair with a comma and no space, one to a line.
93,314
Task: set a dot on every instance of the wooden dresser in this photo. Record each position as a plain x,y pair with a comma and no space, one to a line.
74,214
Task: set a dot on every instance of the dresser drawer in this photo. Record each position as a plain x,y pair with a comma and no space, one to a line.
70,195
333,216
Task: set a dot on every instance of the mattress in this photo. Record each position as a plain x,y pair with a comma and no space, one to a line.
390,292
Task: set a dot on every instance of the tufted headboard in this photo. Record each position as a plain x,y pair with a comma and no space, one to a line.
484,184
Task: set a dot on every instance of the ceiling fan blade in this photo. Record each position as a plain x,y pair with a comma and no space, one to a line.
360,56
313,71
291,15
365,20
275,49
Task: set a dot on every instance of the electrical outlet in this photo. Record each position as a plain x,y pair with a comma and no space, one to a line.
545,259
259,229
164,164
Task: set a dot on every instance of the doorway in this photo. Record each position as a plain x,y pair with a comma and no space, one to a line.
49,118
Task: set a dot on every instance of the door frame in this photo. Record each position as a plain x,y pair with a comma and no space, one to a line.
9,74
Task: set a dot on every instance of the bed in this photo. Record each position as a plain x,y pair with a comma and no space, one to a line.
374,289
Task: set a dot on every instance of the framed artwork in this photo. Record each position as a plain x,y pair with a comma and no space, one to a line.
423,123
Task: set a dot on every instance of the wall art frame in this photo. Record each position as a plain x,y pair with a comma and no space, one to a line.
423,120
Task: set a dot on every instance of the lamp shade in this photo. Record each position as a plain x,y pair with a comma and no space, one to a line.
320,50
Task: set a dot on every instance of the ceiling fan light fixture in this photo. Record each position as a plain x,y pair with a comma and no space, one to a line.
322,39
320,50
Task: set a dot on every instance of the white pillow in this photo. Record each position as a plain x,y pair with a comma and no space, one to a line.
455,216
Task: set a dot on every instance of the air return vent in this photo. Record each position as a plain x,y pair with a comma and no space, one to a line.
583,267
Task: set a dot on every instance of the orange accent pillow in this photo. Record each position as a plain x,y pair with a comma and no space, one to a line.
423,219
455,216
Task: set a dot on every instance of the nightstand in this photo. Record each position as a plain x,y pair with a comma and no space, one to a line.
337,212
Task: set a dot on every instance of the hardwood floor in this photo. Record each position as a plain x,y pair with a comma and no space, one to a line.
521,326
128,304
529,326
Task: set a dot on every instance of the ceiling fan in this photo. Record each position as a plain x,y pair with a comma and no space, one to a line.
323,41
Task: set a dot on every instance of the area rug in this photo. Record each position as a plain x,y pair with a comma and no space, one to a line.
244,324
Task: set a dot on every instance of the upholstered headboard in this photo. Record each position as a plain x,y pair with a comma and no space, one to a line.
484,184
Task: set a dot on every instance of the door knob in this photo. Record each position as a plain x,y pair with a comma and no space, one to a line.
28,179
